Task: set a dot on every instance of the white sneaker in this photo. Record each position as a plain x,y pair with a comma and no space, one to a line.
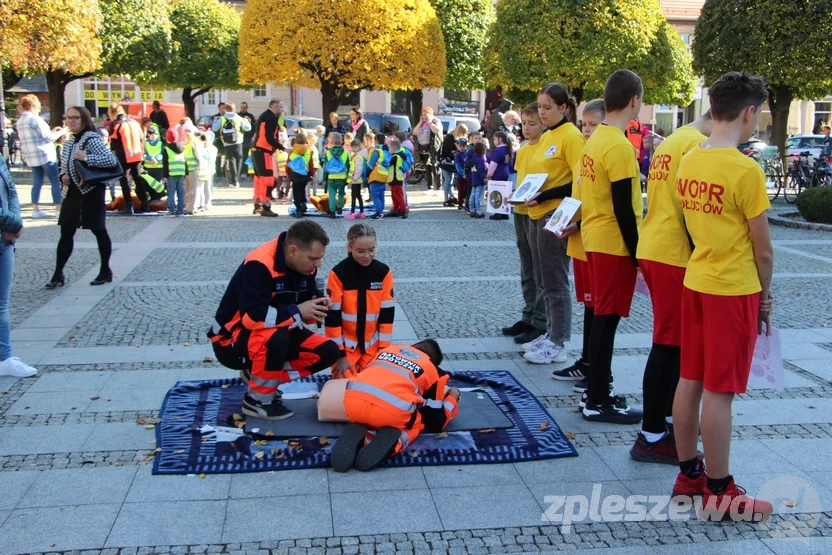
39,215
547,354
16,368
535,344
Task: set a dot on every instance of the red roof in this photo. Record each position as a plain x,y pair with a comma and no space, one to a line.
682,10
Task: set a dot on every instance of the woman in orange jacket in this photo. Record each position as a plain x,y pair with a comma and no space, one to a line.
360,318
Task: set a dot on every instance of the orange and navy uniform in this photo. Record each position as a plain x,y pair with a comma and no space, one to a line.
258,324
360,318
127,140
400,388
266,142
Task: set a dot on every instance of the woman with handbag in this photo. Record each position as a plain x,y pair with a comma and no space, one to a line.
86,167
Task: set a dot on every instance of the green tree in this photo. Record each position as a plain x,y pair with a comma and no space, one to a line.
204,53
465,25
788,43
580,42
57,37
341,47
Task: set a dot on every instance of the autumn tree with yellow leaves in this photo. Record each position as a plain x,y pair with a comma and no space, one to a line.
342,46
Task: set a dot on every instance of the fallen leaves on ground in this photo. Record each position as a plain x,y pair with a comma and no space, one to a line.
414,454
269,433
150,421
202,476
226,386
96,398
543,426
442,435
812,407
240,423
487,431
237,416
186,344
790,503
570,435
259,455
208,359
261,442
323,440
178,451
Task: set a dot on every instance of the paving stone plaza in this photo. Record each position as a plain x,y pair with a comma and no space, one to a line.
71,478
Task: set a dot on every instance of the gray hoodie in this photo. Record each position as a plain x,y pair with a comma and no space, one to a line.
242,125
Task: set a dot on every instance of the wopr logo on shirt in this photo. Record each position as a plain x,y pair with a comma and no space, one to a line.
587,167
660,168
552,150
700,196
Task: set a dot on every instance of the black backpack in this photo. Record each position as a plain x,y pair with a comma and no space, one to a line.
229,132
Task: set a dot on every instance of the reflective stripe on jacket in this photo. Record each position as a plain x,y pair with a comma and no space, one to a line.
176,163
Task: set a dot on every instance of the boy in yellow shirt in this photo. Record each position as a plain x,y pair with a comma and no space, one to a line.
727,297
663,251
611,210
533,322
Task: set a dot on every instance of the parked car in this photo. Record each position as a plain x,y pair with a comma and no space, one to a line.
449,122
804,143
302,122
387,123
752,147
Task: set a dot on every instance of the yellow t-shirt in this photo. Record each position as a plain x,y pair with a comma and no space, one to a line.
575,247
559,151
720,190
662,237
607,157
521,163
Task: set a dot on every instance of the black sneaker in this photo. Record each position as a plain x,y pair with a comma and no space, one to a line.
516,328
275,410
614,410
529,335
347,447
581,386
377,451
575,372
404,215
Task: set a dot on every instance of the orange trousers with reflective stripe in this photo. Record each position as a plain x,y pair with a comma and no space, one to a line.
377,416
263,174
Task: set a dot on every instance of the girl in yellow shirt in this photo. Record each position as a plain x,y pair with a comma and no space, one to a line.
559,152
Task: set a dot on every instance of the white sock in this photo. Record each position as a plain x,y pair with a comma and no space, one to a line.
668,419
651,437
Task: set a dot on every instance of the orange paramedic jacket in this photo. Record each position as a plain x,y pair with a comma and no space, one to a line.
263,294
363,306
404,381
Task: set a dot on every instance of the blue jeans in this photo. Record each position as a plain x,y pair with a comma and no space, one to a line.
6,274
176,185
476,199
50,170
377,193
447,182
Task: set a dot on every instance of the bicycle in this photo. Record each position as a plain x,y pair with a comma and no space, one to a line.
806,172
773,167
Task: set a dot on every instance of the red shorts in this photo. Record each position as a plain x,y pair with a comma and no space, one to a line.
583,286
718,337
665,283
613,280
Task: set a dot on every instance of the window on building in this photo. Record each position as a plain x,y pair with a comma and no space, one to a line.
400,102
823,115
259,91
686,39
210,98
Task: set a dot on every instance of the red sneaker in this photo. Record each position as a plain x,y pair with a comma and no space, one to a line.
688,487
733,504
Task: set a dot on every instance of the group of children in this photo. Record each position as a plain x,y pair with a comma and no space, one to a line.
704,251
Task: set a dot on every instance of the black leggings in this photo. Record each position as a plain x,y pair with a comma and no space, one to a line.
589,317
661,375
602,343
356,195
67,242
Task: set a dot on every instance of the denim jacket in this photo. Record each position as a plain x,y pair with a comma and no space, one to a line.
10,219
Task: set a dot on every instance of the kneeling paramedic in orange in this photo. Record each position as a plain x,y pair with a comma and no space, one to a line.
360,318
400,393
259,326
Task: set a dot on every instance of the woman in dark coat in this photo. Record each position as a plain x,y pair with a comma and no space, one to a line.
83,204
359,125
334,126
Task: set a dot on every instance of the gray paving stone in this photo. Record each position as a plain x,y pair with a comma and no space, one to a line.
800,546
475,507
79,486
807,455
143,379
43,439
378,480
119,436
57,528
350,512
128,399
53,402
76,381
14,486
147,487
278,484
471,475
587,466
168,523
277,518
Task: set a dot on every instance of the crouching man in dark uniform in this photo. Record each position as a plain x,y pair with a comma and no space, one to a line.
259,326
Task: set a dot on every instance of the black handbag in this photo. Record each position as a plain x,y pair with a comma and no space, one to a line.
91,176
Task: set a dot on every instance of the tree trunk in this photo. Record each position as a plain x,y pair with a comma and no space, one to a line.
56,82
578,93
779,100
330,97
188,101
416,98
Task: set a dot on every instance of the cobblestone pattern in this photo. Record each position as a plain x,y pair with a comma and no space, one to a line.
56,461
806,374
802,303
518,354
75,418
595,535
482,309
827,346
785,232
9,396
241,229
399,230
165,315
123,367
786,262
472,261
33,269
120,230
